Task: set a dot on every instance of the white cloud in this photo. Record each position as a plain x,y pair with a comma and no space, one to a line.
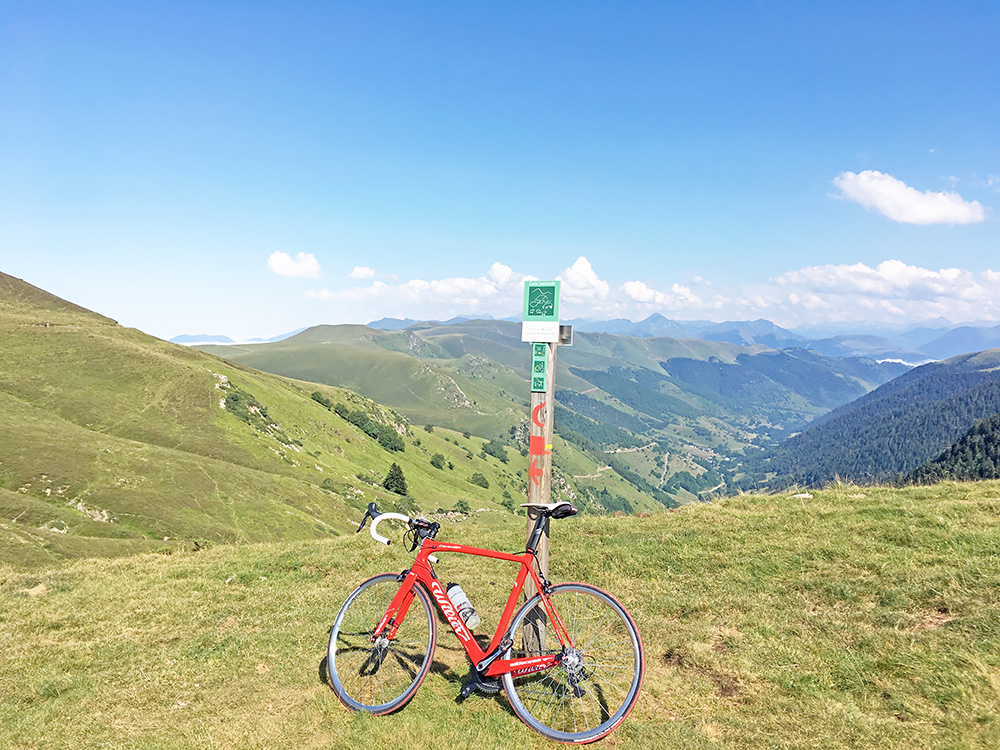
639,291
890,278
361,272
498,290
581,284
501,274
900,202
892,290
303,265
354,294
679,297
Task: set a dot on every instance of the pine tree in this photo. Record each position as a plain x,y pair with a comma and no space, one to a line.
395,481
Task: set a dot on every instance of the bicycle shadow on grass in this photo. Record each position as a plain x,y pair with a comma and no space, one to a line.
444,671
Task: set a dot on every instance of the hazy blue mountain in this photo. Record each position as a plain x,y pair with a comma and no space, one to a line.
393,324
658,325
200,338
195,339
616,325
907,337
963,340
400,324
917,337
748,332
654,325
878,348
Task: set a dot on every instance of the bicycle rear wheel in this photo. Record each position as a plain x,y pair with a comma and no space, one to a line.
597,680
380,676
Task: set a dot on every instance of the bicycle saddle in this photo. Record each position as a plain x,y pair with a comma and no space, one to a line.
554,510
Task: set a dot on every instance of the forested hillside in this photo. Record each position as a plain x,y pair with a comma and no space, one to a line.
975,456
891,431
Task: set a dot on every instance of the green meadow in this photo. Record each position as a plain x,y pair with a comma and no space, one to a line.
855,617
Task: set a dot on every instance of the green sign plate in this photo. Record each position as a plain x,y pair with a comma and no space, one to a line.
541,301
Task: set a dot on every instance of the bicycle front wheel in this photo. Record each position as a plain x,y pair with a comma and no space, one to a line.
380,675
596,681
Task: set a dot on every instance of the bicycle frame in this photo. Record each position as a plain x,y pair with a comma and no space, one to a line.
422,573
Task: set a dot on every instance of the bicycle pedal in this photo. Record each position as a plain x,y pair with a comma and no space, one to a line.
467,689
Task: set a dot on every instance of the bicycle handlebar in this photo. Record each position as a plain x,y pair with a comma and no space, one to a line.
386,517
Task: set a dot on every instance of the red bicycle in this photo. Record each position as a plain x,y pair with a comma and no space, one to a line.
570,659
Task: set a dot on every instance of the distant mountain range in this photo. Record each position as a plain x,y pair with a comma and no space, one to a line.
878,348
189,339
962,340
913,346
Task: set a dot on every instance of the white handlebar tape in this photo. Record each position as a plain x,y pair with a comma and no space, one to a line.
386,517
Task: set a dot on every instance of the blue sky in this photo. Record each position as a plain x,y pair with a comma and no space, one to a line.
249,168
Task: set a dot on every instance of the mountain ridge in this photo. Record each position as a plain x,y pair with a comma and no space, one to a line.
936,340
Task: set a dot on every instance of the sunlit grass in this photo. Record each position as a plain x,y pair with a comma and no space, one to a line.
859,617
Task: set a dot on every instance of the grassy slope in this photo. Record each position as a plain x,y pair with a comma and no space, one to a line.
112,440
439,392
856,618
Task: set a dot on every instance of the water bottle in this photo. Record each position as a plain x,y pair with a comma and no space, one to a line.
465,609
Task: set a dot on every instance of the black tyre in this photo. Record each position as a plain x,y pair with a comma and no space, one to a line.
381,676
597,681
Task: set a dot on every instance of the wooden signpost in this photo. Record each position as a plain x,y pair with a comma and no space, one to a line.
541,329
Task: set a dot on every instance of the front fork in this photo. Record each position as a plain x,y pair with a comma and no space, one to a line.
389,624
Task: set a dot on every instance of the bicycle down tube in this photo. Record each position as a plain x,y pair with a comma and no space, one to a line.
422,572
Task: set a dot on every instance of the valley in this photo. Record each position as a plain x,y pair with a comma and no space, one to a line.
674,418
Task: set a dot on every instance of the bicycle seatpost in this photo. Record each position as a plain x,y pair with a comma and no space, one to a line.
536,535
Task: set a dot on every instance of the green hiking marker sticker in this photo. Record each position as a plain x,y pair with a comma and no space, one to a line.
539,367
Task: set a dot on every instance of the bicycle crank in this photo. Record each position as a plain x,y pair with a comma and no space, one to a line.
478,683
